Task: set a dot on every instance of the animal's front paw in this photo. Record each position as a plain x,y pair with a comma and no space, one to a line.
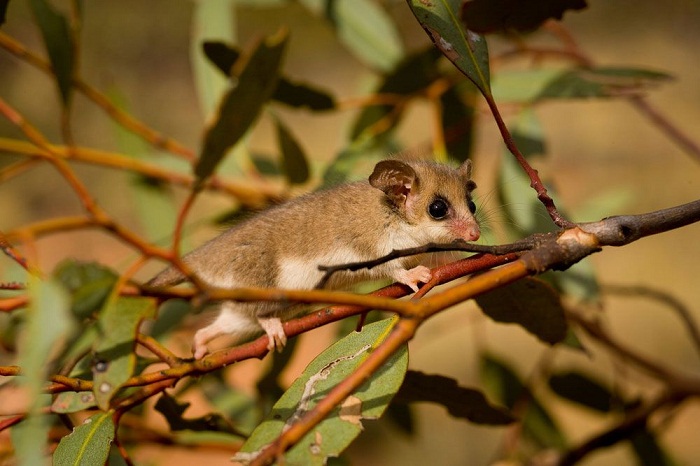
199,346
275,333
411,277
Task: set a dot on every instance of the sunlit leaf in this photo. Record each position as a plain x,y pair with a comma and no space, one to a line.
296,168
506,386
486,16
88,444
211,20
58,40
530,303
364,28
114,359
461,402
466,49
242,104
48,325
335,433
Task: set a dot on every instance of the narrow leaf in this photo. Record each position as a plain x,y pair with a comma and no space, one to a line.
484,16
466,49
211,20
342,426
601,82
460,402
3,10
364,28
297,95
242,104
296,168
58,40
584,390
530,303
88,444
48,326
114,353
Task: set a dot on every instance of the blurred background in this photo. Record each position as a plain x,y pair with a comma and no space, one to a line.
604,158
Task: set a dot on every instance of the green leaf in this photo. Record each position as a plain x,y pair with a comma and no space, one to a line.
242,104
211,20
335,433
48,326
530,303
582,389
296,168
528,134
170,315
601,82
358,158
467,50
302,95
364,27
114,352
72,402
486,16
173,412
58,40
460,402
414,73
505,385
295,95
522,86
88,444
89,284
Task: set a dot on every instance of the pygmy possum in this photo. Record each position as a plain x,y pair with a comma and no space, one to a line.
403,204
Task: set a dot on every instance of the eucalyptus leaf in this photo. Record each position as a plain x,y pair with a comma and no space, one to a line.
467,50
115,359
296,168
242,104
88,444
334,434
486,16
58,39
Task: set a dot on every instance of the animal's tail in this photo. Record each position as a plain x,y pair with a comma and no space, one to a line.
168,277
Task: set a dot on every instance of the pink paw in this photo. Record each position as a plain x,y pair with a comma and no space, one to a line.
411,278
275,333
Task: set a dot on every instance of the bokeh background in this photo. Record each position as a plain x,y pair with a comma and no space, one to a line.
604,157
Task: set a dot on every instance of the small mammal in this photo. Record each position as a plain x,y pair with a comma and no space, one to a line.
403,204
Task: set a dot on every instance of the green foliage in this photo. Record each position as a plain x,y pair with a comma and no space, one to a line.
239,87
88,444
335,433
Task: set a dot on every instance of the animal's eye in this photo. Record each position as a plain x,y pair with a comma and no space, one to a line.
472,206
438,209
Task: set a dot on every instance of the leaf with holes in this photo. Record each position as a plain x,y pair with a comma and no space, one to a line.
344,424
466,49
115,359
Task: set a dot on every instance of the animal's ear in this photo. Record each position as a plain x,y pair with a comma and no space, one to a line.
466,169
395,178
